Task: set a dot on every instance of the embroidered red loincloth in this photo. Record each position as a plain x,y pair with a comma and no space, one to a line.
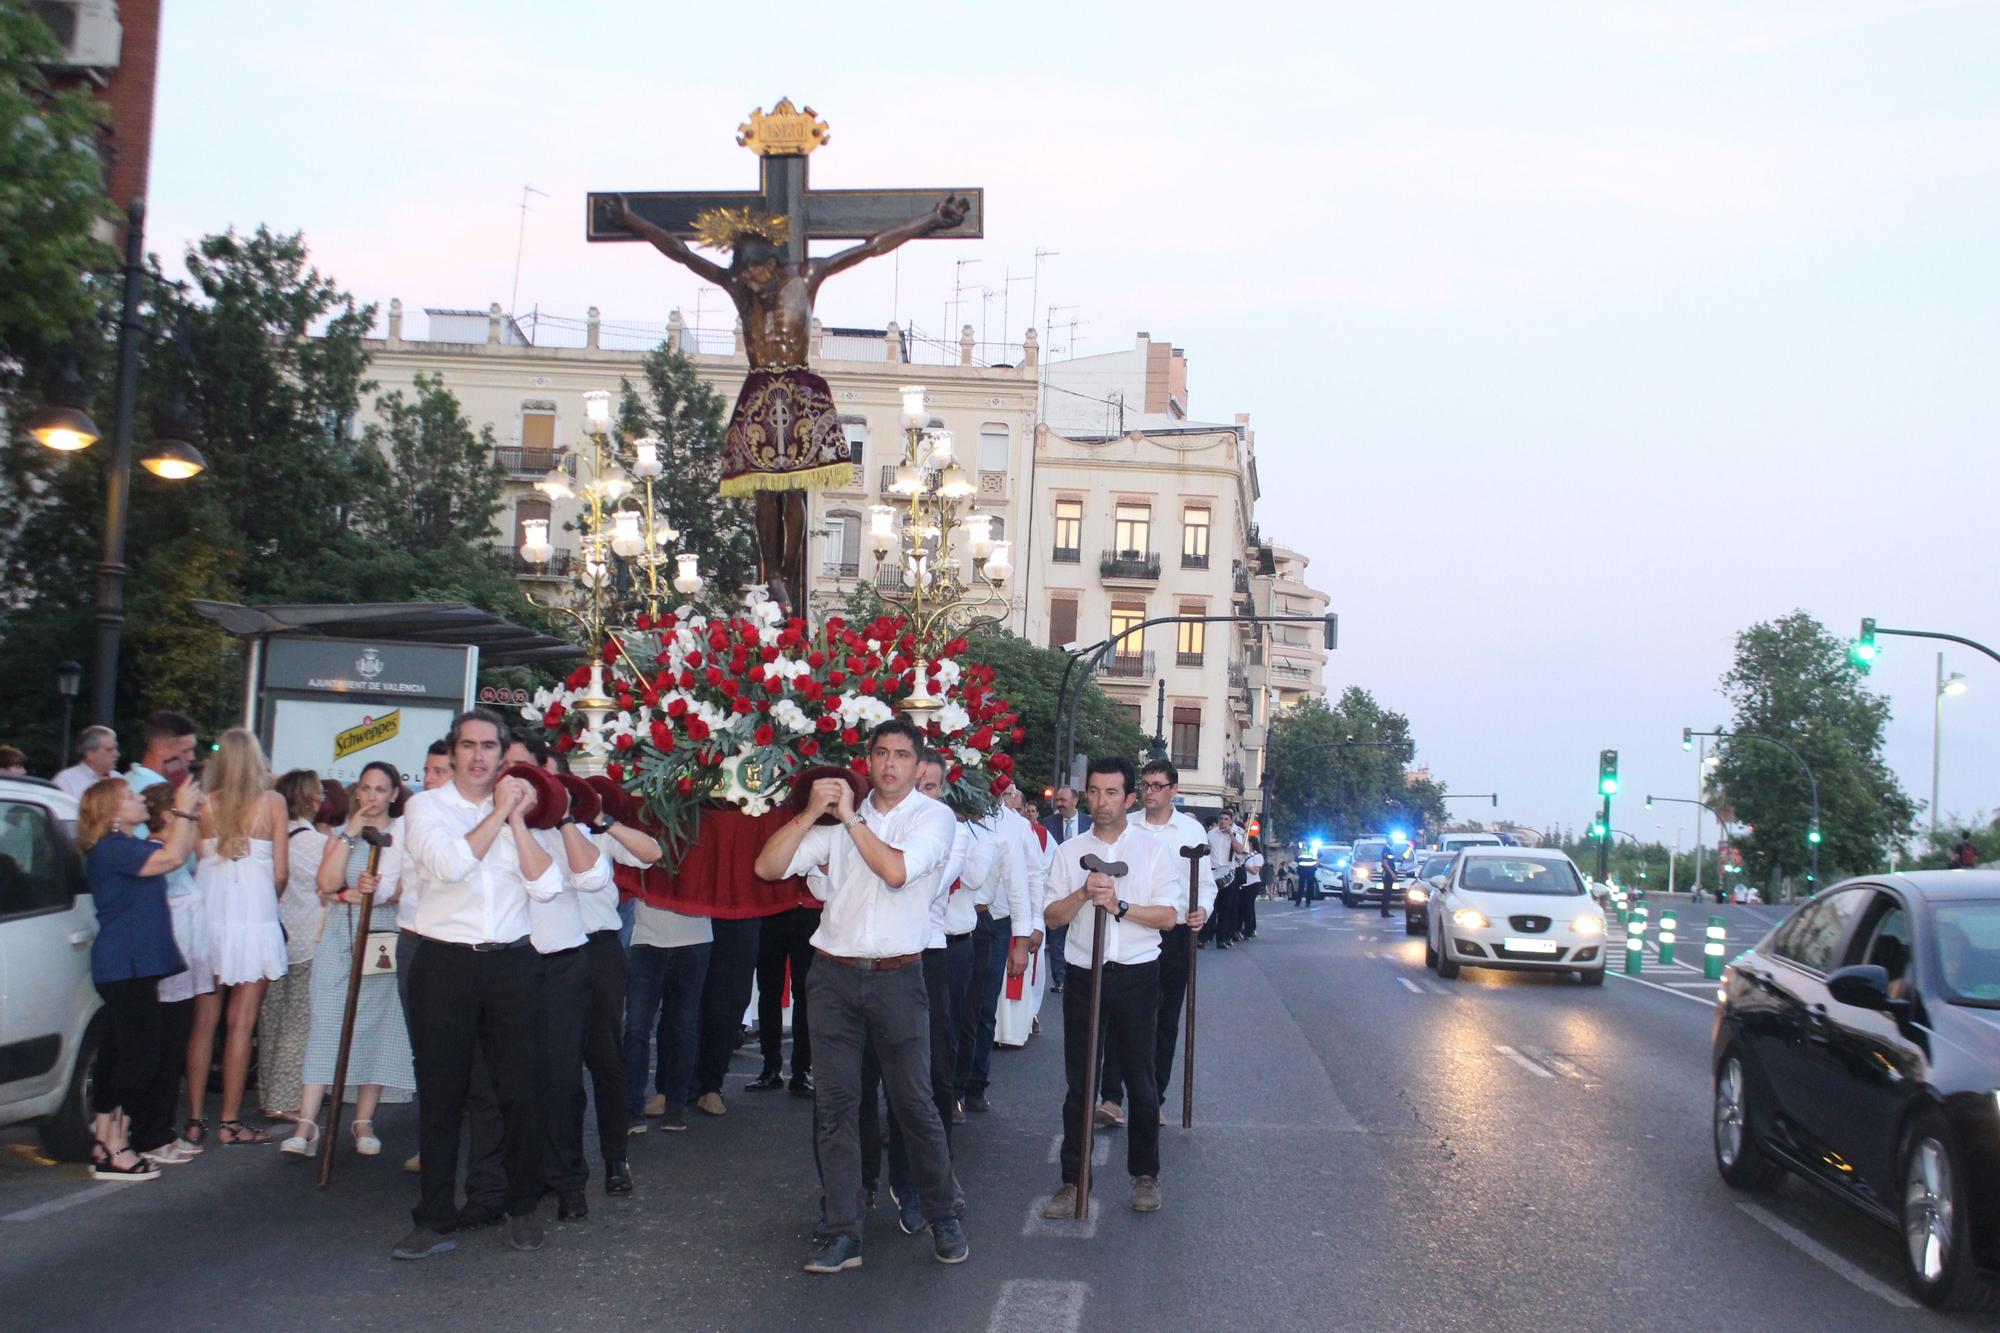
784,435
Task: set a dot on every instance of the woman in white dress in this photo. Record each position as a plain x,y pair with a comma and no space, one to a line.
243,868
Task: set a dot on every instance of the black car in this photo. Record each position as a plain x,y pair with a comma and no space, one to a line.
1433,869
1858,1045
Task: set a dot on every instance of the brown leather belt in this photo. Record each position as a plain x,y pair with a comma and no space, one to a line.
873,964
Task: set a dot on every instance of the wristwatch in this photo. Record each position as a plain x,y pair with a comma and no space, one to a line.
1123,908
858,819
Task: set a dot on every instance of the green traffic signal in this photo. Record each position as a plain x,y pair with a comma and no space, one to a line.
1863,651
1607,772
1687,738
1812,833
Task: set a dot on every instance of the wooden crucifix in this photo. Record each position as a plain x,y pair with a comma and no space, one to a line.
784,436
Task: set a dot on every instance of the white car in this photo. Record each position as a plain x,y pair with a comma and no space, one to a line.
47,1002
1519,908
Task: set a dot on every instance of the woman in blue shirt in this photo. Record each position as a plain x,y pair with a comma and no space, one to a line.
134,948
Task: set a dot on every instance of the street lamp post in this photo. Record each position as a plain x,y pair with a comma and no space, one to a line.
1952,684
1812,783
69,678
1160,723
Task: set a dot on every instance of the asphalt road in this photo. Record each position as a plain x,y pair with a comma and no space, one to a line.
1374,1148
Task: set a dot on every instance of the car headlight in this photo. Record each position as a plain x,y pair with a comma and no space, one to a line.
1588,925
1470,919
1361,872
1417,895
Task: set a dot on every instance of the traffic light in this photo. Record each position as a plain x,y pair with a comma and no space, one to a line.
1607,772
1048,793
1598,828
1863,650
1332,632
1687,738
1812,833
1649,803
1255,827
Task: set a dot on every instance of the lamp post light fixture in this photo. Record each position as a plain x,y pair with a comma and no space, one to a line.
69,679
63,422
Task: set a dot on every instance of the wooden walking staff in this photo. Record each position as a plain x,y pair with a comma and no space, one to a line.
376,839
1116,869
1193,855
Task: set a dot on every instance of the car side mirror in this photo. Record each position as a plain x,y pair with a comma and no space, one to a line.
1861,986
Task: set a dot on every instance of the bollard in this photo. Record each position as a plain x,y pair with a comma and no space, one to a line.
1669,921
1711,963
1635,955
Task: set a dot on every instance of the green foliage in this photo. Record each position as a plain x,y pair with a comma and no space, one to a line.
1341,772
1792,681
677,406
428,480
1030,678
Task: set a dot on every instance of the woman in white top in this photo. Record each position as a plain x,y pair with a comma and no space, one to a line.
244,865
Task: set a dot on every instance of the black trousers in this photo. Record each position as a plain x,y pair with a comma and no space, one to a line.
1130,1011
490,1002
153,1119
131,1050
1173,1000
604,1040
1223,922
781,939
565,1009
890,1011
1246,907
991,939
725,994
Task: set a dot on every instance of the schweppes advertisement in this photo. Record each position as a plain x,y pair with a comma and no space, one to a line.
370,732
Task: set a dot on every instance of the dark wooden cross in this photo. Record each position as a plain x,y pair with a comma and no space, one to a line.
815,215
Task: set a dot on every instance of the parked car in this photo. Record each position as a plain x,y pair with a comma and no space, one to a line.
48,1006
1433,870
1858,1045
1523,909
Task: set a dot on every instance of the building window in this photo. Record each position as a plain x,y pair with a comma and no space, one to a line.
1131,713
1062,621
1185,745
1194,537
1069,531
1134,530
1193,638
538,426
843,544
1127,654
856,431
994,446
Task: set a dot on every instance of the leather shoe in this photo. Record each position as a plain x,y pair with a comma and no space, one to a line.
710,1103
976,1101
958,1113
617,1177
524,1232
802,1085
767,1081
572,1206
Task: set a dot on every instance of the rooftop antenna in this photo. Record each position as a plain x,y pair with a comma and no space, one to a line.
957,300
1006,308
520,241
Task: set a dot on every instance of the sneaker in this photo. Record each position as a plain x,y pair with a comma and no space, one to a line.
473,1216
832,1254
948,1241
1061,1206
1110,1115
422,1243
802,1085
656,1103
909,1213
167,1155
710,1103
675,1118
524,1232
190,1149
1145,1194
635,1125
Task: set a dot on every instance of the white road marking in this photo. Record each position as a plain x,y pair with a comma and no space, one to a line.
1100,1149
1067,1228
1408,985
1524,1062
1437,988
1029,1303
1664,990
1812,1248
91,1195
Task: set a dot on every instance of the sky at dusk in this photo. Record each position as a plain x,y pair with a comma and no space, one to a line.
1576,336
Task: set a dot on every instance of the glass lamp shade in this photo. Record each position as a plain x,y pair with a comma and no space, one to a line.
1000,564
175,460
662,534
955,483
535,548
597,411
687,576
881,527
555,485
69,678
646,457
979,535
613,487
626,539
914,412
936,449
64,429
596,574
908,481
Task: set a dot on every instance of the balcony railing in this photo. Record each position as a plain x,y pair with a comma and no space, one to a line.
841,569
1232,776
1187,761
1067,555
1187,659
1189,560
557,566
888,478
1238,676
1129,565
1127,666
1290,672
519,462
1242,580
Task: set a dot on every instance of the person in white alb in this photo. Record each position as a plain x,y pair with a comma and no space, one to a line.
1137,907
1016,1020
1159,783
476,980
881,866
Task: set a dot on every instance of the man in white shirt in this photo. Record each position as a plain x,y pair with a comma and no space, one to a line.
476,980
1225,857
999,947
1063,823
96,758
1159,784
437,772
1135,908
880,867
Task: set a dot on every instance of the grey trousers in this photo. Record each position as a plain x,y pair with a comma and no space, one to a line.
852,1009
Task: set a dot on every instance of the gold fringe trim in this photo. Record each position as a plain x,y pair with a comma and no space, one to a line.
811,479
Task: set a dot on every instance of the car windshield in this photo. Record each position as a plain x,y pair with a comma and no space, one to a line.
1518,874
1968,948
1435,865
1370,850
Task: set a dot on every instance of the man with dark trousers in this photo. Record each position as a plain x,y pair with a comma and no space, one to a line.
785,939
1063,823
476,980
725,994
1136,908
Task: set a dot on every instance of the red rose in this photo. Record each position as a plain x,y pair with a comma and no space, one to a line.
677,708
687,680
685,786
815,660
954,648
645,622
615,771
999,786
625,702
611,650
836,678
553,718
829,723
624,742
859,763
744,706
713,675
850,736
769,654
578,678
868,685
982,739
730,689
899,663
697,729
774,684
957,772
812,690
1001,763
834,624
565,743
763,736
663,736
1018,734
808,747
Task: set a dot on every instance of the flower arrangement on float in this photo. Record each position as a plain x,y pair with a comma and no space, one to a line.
721,710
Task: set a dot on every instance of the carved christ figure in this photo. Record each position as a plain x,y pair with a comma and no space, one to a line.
784,437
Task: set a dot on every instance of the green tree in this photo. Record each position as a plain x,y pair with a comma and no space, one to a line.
427,479
1030,677
1791,682
679,409
1340,772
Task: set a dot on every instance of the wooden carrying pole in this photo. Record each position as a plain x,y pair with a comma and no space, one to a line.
376,840
1194,856
1090,1044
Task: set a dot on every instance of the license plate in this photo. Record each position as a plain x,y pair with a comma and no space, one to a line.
1530,946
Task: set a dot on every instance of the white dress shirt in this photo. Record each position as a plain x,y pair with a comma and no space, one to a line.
1184,830
1222,856
587,896
864,917
468,899
961,912
954,868
77,779
1148,882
